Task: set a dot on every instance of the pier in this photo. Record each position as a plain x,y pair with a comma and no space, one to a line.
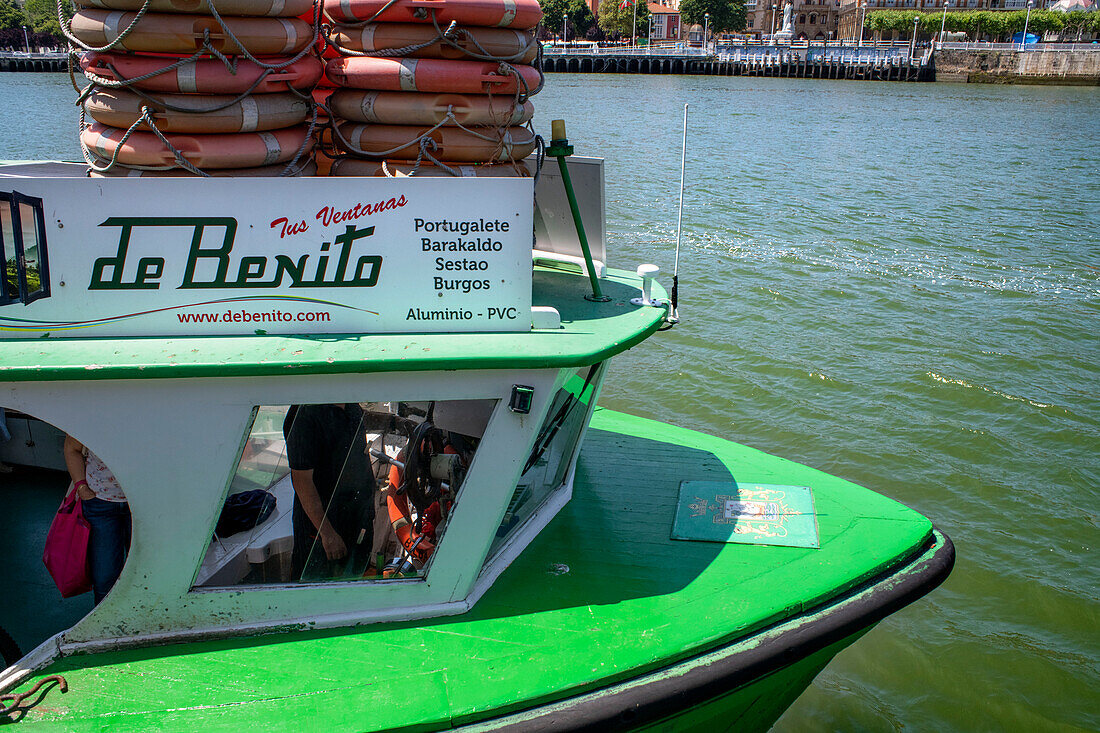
33,61
805,60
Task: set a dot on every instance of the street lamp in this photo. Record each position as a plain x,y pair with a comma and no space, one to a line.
1023,38
913,41
564,20
26,39
773,19
943,23
862,17
706,26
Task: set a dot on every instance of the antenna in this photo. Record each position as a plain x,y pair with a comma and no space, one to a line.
674,315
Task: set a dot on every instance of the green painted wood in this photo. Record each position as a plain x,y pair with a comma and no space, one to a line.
591,332
632,601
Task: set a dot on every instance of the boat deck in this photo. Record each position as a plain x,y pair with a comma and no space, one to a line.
601,596
33,610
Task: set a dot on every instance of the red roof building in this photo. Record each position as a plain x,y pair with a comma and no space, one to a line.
664,22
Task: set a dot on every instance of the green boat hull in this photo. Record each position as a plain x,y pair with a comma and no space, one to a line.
753,707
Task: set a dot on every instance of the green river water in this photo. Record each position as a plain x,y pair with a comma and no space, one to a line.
895,283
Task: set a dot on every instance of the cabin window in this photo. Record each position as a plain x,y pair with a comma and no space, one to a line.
343,492
23,249
553,452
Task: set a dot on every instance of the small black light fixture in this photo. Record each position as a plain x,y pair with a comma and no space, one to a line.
521,399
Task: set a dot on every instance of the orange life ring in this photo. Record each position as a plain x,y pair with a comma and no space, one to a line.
451,143
269,8
432,75
515,45
241,150
400,168
170,33
418,544
524,14
428,108
306,170
121,108
204,76
397,506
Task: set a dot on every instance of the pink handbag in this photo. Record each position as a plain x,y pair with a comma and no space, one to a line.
66,553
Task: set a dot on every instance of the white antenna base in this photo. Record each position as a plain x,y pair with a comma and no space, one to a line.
647,273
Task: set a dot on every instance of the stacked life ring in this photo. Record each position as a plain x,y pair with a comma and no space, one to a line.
431,87
197,87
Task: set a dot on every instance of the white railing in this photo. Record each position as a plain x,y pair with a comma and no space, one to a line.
984,46
816,53
766,42
33,55
678,51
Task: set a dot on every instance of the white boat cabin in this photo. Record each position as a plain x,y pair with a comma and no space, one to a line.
437,445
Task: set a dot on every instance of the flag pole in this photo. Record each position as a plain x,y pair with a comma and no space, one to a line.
634,30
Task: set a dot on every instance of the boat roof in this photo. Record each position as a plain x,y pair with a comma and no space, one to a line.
601,596
590,332
62,336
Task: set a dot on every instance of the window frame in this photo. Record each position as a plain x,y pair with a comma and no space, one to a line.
14,201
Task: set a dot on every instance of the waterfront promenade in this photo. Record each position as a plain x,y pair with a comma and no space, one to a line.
1004,63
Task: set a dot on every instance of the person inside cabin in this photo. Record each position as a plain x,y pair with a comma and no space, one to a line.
107,512
335,490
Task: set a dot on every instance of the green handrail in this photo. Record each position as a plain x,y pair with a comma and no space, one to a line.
560,149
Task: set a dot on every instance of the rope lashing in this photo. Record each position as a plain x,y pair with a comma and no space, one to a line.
17,700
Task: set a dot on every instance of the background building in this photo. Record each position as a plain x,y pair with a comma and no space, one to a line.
815,20
664,21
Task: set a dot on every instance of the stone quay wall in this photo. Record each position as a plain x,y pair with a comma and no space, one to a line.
1018,67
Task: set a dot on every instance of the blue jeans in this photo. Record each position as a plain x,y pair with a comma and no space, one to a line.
109,543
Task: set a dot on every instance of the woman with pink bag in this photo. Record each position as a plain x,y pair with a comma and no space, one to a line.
106,512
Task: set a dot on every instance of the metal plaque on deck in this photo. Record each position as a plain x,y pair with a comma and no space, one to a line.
757,514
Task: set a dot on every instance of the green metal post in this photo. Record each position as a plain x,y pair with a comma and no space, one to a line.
560,149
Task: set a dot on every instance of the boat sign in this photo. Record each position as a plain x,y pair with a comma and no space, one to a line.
235,256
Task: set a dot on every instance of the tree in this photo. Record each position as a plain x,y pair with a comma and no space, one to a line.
1075,22
42,15
553,12
999,25
725,15
617,17
1047,21
581,18
890,20
930,23
11,15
